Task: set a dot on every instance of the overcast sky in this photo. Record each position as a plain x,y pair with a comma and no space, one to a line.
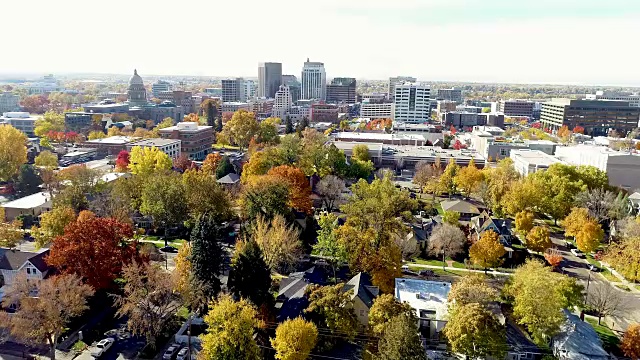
520,41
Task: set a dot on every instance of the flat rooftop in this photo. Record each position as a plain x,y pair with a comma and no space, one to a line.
536,157
348,145
155,142
378,136
29,202
112,140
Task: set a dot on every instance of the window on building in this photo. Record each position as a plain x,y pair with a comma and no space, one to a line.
504,152
29,271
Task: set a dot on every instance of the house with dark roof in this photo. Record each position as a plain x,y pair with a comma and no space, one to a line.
14,263
362,294
229,179
502,227
291,299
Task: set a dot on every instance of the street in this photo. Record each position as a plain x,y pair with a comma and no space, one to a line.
126,346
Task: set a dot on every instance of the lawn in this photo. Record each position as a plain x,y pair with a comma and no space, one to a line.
434,262
439,208
439,272
224,147
623,287
79,346
607,336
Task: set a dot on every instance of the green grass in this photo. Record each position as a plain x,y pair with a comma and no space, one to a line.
435,262
607,336
439,209
623,287
225,147
439,272
79,346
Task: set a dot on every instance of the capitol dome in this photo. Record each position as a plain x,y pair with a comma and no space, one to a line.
135,79
137,94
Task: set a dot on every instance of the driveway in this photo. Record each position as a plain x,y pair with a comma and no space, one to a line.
125,347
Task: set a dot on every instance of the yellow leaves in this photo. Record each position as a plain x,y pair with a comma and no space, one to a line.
585,229
472,288
279,243
13,151
147,160
630,344
538,239
241,128
524,222
294,339
10,233
468,179
94,135
487,251
575,220
47,159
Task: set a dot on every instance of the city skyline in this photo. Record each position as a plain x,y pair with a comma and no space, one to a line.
552,42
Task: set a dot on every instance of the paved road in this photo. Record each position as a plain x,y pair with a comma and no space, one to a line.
125,347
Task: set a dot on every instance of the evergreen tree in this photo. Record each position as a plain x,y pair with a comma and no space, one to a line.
289,126
250,277
207,254
224,168
302,125
219,124
28,181
212,113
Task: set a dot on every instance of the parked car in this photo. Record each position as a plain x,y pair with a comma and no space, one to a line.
577,253
171,352
183,354
102,347
427,273
405,268
169,248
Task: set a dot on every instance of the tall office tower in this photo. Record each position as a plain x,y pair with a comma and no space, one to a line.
342,90
283,102
452,94
314,80
233,90
249,89
269,79
412,103
160,86
393,81
294,86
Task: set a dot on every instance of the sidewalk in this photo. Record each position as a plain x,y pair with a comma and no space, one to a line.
623,281
448,268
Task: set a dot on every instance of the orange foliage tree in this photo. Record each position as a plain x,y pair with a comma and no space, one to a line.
379,124
210,163
630,344
299,187
95,249
191,118
553,257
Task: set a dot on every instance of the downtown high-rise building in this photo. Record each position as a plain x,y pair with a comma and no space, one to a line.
412,103
341,91
233,90
393,81
314,80
294,86
269,79
283,102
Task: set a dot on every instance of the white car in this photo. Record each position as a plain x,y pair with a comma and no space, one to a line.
171,352
577,253
183,354
101,347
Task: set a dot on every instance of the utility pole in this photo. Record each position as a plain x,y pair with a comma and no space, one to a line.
586,295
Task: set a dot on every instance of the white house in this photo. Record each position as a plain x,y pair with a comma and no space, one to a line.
428,299
15,262
33,205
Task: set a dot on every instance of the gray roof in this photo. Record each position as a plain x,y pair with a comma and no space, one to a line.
362,288
577,340
231,178
15,259
460,206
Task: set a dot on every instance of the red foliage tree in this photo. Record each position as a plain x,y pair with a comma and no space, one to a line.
95,249
458,145
299,187
452,130
183,163
553,257
122,161
37,104
578,130
536,125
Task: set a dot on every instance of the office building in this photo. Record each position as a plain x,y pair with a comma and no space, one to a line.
516,108
9,102
262,107
234,106
180,98
269,79
444,106
80,122
374,98
249,89
527,161
633,99
170,147
282,103
491,119
376,110
393,81
412,103
324,113
459,119
452,94
136,94
215,92
22,121
314,80
195,140
160,86
295,88
111,145
597,117
234,90
342,91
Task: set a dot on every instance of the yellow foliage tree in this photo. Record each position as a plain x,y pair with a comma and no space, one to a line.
147,160
241,128
294,339
630,344
13,152
538,239
10,233
50,121
564,134
574,222
47,159
468,179
488,251
94,135
524,222
52,224
589,237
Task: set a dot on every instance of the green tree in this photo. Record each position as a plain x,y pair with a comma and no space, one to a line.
331,307
446,181
204,195
294,339
241,128
207,254
13,152
267,196
385,308
538,295
451,218
288,126
163,198
328,245
28,181
400,340
47,159
148,160
472,288
225,168
50,121
230,332
538,239
474,331
361,152
488,251
250,276
268,131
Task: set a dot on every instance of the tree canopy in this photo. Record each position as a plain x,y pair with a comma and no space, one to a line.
13,151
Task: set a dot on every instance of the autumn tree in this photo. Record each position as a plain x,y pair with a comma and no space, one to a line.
230,330
299,187
241,128
331,307
451,218
427,175
330,188
472,288
625,257
43,319
210,163
47,159
210,109
605,300
94,135
538,295
468,179
360,152
447,179
50,121
487,252
148,160
524,222
203,195
265,196
630,344
95,249
225,168
497,182
250,276
328,245
474,331
122,161
564,134
446,239
11,234
52,224
279,243
13,152
575,221
385,308
163,198
603,205
294,339
268,131
400,340
538,239
589,237
553,257
207,254
561,184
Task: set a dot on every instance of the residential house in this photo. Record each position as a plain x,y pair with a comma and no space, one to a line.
520,347
15,262
363,294
466,209
429,301
502,227
229,179
577,340
33,205
291,299
634,199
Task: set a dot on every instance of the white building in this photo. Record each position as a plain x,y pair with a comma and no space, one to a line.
170,147
22,121
529,161
234,90
9,102
623,168
429,301
46,85
283,102
14,263
633,99
393,81
33,205
412,103
297,113
249,89
158,87
314,81
377,110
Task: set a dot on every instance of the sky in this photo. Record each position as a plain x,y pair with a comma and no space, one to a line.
594,42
